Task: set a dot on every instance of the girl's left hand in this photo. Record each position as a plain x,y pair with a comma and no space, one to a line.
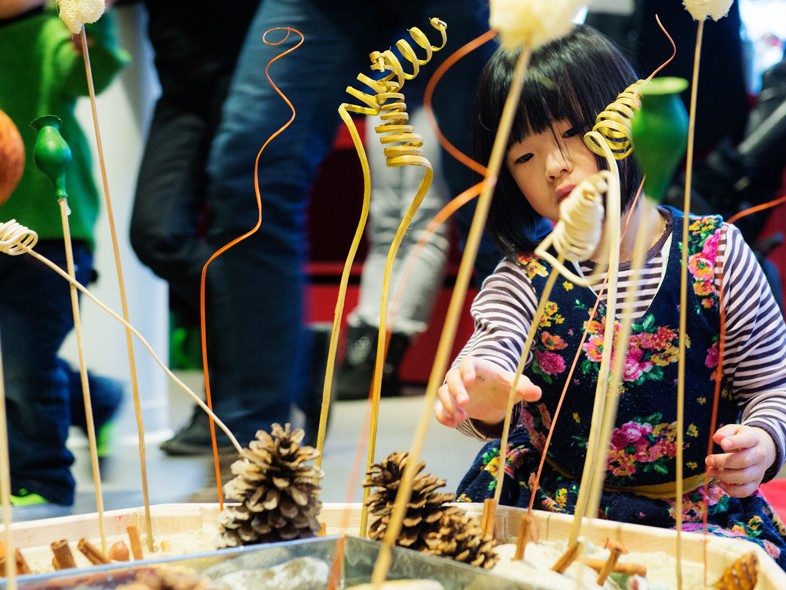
749,452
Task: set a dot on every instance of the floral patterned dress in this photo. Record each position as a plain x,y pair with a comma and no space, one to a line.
640,471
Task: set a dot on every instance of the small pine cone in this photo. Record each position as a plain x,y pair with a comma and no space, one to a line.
461,538
277,488
741,575
425,507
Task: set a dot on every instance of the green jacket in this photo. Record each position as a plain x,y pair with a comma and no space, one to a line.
42,73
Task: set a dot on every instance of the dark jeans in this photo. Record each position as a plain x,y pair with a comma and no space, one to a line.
35,317
195,56
259,354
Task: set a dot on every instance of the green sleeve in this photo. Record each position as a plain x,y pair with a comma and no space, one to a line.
106,57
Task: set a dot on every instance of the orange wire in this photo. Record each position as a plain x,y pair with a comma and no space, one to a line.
208,397
774,203
428,96
673,49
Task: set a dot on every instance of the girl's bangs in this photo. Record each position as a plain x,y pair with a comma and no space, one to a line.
544,101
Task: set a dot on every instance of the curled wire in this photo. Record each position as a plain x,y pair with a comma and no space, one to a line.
387,61
613,124
15,238
577,234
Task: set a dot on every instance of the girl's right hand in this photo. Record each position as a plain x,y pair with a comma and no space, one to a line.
479,389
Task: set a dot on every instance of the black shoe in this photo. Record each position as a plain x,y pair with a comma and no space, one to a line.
355,374
194,437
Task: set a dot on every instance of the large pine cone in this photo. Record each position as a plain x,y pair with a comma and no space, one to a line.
461,538
277,490
425,507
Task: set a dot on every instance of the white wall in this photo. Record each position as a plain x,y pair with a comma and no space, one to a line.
123,115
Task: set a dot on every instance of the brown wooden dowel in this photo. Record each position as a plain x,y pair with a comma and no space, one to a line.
567,558
136,543
93,554
621,567
525,528
63,556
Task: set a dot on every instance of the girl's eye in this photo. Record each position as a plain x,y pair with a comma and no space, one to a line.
524,158
572,132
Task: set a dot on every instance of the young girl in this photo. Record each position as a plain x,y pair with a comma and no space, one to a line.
569,81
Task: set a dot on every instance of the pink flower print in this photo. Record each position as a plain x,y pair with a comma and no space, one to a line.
594,348
552,342
771,549
663,448
710,248
634,370
701,270
712,356
595,327
635,353
550,362
642,452
629,433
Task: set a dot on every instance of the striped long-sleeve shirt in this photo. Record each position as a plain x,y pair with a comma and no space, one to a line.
754,362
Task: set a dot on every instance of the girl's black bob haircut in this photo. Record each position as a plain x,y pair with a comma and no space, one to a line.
572,78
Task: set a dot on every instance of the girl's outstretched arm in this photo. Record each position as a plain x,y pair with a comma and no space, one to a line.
479,389
748,453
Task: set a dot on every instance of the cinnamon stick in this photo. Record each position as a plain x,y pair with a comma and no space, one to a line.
567,558
64,559
92,553
621,567
488,519
525,528
615,550
136,542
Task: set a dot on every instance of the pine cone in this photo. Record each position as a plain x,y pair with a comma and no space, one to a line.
424,510
461,538
277,490
741,575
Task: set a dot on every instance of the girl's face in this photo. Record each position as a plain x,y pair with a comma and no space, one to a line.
547,166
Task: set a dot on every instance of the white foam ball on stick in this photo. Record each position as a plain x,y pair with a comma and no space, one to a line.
701,9
532,22
76,13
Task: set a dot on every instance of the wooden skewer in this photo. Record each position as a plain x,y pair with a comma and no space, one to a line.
488,519
621,567
525,528
136,543
92,553
615,550
567,558
64,559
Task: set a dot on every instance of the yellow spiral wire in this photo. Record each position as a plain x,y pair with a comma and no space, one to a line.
613,124
382,97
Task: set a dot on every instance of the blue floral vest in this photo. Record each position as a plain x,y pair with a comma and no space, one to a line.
643,445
